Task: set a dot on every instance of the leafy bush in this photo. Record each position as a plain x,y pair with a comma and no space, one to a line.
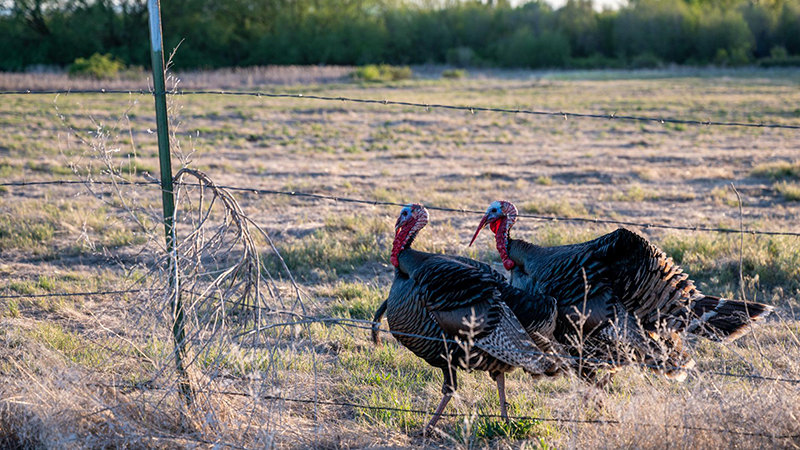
526,49
789,61
663,28
99,67
646,61
462,57
596,61
788,24
727,30
382,73
454,74
737,57
778,52
779,57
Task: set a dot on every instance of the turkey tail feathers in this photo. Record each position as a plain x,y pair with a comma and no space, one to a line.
725,320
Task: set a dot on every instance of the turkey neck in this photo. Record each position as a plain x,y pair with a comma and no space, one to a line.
410,260
520,251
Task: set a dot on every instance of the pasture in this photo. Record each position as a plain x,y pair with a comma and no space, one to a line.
96,371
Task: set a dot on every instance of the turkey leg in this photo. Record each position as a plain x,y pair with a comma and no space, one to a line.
500,379
448,387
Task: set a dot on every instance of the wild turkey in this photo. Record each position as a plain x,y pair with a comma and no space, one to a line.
434,298
629,285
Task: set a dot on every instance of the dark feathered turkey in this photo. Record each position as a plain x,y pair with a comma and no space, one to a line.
434,298
625,289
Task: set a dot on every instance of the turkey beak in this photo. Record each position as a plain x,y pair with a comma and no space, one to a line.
399,224
480,227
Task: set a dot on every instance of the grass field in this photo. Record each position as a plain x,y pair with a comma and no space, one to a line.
64,359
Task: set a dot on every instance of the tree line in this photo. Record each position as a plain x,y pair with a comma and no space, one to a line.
228,33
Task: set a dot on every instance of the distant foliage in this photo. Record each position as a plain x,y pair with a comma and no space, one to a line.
382,73
646,61
99,67
525,48
779,57
723,37
463,57
454,74
465,33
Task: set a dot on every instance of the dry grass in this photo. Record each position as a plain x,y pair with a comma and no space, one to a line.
789,191
233,78
61,357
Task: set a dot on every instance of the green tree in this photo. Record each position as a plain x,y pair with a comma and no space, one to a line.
723,32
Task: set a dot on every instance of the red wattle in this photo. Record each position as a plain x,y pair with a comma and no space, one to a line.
494,225
399,243
501,241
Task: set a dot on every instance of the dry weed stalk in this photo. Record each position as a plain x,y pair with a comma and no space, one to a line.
234,310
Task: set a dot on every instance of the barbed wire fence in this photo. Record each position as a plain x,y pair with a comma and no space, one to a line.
566,115
542,217
241,309
206,387
370,325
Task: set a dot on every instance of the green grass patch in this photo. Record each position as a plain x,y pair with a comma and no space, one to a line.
69,282
74,347
356,300
7,168
789,191
635,193
493,428
47,167
25,233
22,287
46,283
340,247
33,227
553,235
726,196
12,308
713,260
134,166
777,170
405,421
558,207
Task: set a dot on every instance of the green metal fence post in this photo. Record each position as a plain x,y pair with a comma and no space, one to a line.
167,194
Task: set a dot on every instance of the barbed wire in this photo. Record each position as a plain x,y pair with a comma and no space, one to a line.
83,182
426,106
525,215
594,220
368,325
75,294
142,387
